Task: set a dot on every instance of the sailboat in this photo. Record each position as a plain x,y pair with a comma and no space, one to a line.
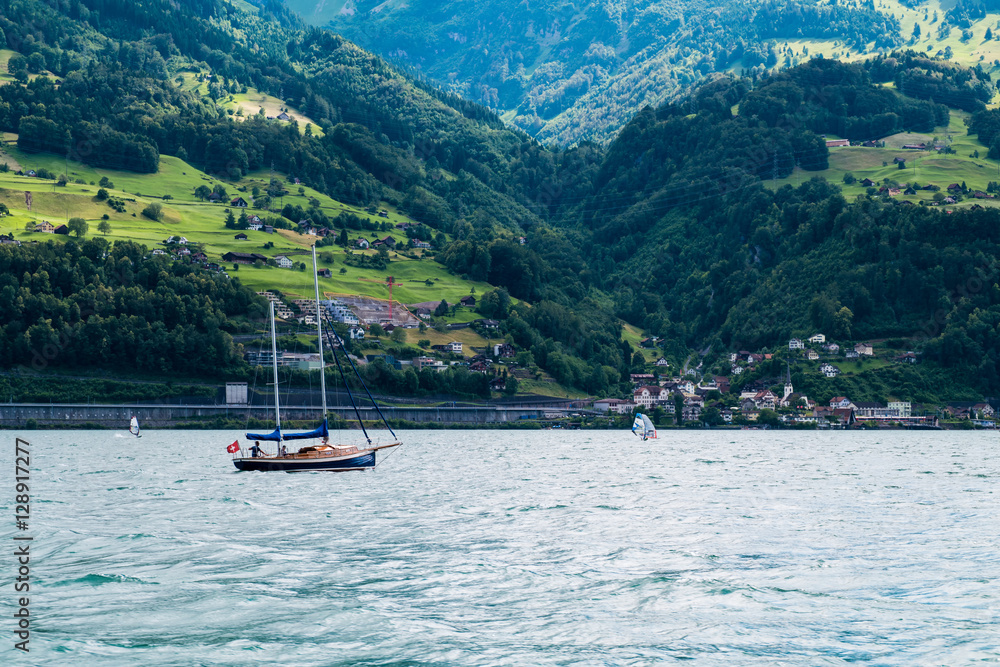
643,426
321,455
133,427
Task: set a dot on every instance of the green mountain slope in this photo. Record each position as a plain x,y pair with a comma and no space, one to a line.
571,72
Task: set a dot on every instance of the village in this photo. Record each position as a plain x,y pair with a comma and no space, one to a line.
711,400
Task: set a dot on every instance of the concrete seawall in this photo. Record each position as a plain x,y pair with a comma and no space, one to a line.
16,415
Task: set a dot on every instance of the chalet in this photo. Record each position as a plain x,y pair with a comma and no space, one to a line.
499,383
61,229
480,366
852,354
468,301
214,197
255,220
362,243
639,379
324,273
240,237
906,358
909,191
454,346
948,200
831,348
422,312
180,240
662,362
691,413
812,355
239,202
834,143
487,324
819,339
867,182
283,116
158,251
649,395
915,147
722,383
404,225
793,344
765,399
954,187
845,416
183,252
389,242
864,349
870,144
356,333
841,402
199,256
383,213
243,257
267,229
283,262
31,172
45,226
504,350
255,226
417,243
648,342
983,410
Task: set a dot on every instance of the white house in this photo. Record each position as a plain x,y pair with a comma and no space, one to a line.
829,370
283,262
650,395
818,339
793,344
841,403
662,362
812,355
864,349
455,346
357,333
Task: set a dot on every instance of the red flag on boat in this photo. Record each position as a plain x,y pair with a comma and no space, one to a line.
233,448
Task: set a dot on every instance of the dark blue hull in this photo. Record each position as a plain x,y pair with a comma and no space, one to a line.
295,465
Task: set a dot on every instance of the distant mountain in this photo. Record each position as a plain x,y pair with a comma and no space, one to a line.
566,72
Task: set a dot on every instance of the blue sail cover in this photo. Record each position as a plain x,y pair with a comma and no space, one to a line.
274,436
321,432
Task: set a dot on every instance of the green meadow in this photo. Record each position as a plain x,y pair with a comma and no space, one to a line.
202,223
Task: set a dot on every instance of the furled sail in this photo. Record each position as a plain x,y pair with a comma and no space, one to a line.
274,436
321,432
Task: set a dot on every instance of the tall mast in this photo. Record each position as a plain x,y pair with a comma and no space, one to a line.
319,334
274,363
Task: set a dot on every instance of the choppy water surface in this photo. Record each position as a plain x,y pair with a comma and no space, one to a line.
518,548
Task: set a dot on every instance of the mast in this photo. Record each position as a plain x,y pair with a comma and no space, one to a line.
274,363
319,335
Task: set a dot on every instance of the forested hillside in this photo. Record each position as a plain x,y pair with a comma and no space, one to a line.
569,72
669,229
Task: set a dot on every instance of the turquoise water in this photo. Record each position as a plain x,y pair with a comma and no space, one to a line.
516,548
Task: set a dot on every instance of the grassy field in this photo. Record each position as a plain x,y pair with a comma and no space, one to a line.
922,167
203,223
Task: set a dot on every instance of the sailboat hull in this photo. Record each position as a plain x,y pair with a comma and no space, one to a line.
291,464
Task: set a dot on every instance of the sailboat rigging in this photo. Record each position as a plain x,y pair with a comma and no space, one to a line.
322,455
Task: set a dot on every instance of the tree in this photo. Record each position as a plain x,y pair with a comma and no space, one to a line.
78,226
102,194
989,35
398,335
202,192
230,220
442,309
104,227
342,239
510,386
376,330
153,211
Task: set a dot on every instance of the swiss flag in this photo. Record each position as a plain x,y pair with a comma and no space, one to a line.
233,448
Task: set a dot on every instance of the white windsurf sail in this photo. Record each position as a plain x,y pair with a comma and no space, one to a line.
649,431
133,428
637,425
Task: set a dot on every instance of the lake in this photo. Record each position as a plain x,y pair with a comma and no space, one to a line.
515,548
